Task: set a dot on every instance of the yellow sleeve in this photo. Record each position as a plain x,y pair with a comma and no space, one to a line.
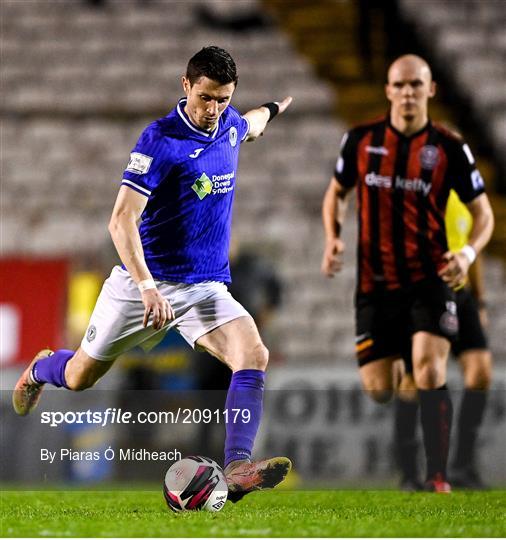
458,222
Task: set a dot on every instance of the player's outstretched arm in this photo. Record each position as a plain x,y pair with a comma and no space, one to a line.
258,118
125,235
335,203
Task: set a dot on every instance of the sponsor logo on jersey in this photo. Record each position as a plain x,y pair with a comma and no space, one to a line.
232,136
429,156
381,150
202,186
223,183
218,184
407,184
139,163
196,153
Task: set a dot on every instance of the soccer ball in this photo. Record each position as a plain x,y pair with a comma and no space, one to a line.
195,483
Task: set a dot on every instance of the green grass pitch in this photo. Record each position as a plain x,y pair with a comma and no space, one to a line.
268,514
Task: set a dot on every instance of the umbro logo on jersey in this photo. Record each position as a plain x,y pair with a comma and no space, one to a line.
381,150
196,153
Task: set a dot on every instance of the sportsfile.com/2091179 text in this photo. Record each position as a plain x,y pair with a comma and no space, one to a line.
111,415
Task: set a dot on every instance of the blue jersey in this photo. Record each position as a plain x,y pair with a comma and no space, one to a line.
189,176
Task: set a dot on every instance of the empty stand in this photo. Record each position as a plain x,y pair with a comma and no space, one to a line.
469,37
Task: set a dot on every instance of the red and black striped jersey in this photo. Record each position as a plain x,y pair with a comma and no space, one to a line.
403,184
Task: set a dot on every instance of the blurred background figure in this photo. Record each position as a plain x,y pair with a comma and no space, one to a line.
403,167
475,361
85,282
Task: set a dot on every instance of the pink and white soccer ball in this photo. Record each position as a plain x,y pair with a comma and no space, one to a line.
195,483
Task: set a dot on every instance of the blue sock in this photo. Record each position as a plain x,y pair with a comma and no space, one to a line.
245,393
52,368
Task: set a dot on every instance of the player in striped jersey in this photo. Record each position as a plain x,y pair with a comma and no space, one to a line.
475,361
179,185
403,167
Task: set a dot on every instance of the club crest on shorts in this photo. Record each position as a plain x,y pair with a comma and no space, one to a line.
232,136
429,156
449,323
91,334
451,307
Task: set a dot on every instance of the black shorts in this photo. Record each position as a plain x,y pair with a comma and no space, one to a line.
386,320
471,335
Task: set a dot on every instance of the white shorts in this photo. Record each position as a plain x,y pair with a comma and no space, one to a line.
116,322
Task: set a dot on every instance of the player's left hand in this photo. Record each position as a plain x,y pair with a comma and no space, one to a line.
283,105
455,271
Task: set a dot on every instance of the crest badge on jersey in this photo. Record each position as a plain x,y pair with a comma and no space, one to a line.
429,156
139,163
232,135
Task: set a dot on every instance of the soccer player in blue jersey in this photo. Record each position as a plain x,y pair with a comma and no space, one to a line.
179,185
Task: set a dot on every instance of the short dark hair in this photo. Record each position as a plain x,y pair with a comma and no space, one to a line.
214,63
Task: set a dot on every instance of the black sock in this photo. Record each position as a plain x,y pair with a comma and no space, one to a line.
436,416
406,443
471,411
